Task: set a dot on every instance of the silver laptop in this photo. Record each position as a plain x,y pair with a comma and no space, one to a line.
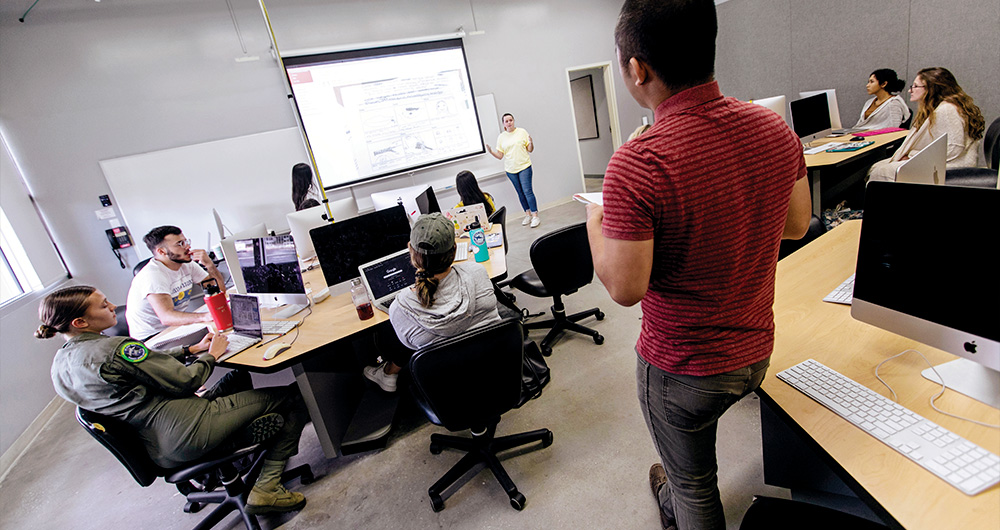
927,166
386,277
247,329
465,216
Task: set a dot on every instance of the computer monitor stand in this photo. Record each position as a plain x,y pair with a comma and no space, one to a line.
969,378
289,311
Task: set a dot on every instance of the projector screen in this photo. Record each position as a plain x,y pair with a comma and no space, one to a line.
380,111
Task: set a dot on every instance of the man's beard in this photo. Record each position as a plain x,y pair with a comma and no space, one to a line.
178,258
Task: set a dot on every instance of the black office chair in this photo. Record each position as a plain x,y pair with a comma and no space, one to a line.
991,145
500,216
561,264
980,177
907,122
816,229
138,266
198,480
769,513
120,329
467,382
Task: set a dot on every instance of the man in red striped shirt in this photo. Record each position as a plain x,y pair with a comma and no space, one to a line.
694,211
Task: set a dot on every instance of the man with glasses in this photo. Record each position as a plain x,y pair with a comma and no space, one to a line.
158,297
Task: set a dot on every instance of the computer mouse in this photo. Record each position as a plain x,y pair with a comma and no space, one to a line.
275,349
857,138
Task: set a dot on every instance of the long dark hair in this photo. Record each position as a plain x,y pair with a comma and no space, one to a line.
469,192
941,86
59,309
428,266
302,182
893,84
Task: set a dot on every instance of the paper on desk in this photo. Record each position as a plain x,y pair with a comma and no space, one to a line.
590,198
175,335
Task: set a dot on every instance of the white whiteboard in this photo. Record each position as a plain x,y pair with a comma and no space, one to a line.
248,180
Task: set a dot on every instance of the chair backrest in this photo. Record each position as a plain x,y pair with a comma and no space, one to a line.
120,329
468,381
562,259
991,145
500,216
123,442
816,229
138,266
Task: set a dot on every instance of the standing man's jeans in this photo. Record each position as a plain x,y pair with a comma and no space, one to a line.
682,414
522,185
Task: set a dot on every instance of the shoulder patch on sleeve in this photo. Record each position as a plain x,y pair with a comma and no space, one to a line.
133,351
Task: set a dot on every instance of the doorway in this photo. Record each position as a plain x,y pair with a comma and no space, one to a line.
595,120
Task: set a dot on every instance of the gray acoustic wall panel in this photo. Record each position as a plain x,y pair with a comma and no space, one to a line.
753,49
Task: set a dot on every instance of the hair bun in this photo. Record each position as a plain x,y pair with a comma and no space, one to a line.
45,332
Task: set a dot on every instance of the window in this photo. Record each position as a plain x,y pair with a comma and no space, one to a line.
17,276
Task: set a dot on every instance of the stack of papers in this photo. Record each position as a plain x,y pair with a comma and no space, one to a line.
590,198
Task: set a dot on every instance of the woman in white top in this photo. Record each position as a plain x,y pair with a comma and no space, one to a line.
944,109
885,108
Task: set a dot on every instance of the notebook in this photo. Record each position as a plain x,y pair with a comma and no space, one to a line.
247,329
927,166
386,276
465,216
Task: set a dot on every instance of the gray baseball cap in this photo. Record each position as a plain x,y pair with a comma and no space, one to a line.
433,233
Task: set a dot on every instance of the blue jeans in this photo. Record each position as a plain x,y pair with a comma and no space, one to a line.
522,185
682,413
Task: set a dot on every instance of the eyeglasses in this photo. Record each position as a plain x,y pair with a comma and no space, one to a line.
914,87
183,243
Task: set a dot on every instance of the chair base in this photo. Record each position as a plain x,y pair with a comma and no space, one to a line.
560,323
483,449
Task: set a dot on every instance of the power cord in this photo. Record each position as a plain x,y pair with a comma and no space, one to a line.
934,398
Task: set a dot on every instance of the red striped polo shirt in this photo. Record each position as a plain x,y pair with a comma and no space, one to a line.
710,183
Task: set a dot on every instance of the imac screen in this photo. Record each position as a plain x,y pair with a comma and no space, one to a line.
810,116
342,246
269,265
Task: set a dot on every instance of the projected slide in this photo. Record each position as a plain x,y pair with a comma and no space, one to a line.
375,112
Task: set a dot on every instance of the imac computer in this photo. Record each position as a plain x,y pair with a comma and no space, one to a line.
416,200
344,245
776,104
832,108
271,271
930,275
232,261
810,117
302,221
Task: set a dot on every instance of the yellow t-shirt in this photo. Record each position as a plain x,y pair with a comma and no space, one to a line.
514,146
489,199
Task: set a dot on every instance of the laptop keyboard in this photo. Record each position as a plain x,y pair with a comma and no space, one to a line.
238,343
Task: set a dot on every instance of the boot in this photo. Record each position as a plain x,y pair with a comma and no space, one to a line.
269,494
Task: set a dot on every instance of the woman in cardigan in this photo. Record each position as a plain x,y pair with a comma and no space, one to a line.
944,109
885,108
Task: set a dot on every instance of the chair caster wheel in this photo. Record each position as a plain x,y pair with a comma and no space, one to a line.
598,339
599,315
193,507
307,478
517,501
547,441
436,503
435,449
546,350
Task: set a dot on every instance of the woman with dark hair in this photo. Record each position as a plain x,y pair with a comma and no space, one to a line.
513,146
469,192
885,108
154,392
302,187
944,108
446,300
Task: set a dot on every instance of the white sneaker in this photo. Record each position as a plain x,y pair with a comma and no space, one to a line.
377,375
527,219
535,221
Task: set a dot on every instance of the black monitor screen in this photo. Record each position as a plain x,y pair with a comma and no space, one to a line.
810,115
931,252
269,265
344,245
427,202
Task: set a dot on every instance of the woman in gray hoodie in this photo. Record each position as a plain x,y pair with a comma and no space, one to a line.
447,299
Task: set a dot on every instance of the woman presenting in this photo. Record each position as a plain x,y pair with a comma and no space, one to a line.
944,109
885,108
513,146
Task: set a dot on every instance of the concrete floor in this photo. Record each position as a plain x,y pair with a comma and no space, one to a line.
593,476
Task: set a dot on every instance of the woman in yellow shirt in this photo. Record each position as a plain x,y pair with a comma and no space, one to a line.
513,146
469,192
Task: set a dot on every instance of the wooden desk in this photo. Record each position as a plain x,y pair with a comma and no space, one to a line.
807,327
326,370
831,174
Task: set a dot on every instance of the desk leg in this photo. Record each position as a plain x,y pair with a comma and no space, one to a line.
331,398
814,184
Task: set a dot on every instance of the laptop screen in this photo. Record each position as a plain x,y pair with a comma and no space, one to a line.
246,315
390,274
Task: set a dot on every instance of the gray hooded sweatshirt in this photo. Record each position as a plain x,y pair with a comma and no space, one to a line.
464,300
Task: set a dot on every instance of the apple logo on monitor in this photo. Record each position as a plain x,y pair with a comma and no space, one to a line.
970,346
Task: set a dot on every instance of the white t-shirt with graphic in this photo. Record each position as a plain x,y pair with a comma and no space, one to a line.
157,278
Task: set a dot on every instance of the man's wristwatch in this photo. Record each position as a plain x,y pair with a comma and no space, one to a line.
186,350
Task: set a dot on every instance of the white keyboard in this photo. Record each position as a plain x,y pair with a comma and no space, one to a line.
959,462
461,250
843,294
821,148
238,343
278,327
